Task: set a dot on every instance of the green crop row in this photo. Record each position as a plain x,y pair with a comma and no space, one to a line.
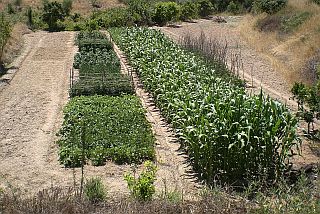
99,67
98,128
227,134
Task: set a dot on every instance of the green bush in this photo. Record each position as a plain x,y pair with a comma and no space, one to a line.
52,13
140,11
234,8
67,6
205,8
165,12
87,45
271,6
114,17
143,188
189,11
291,23
94,190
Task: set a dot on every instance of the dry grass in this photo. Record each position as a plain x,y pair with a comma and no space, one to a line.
59,200
288,53
15,43
83,7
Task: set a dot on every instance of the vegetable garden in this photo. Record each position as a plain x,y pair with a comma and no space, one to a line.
97,128
228,134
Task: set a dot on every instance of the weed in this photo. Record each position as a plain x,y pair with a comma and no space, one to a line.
94,190
142,188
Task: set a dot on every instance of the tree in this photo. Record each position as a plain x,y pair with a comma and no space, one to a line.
52,13
5,31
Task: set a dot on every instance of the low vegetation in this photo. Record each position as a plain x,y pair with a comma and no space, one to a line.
99,67
5,31
100,128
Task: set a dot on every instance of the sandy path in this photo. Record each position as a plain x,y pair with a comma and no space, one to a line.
31,105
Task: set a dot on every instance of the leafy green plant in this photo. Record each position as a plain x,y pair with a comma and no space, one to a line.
189,11
113,128
227,134
67,6
165,12
142,187
290,23
205,8
94,190
234,8
140,11
52,13
271,6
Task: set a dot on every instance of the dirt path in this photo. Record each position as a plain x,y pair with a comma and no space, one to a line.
174,173
257,70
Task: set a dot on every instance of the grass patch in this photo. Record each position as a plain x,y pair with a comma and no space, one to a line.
98,128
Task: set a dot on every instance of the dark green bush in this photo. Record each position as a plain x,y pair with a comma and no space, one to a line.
234,8
205,8
189,11
140,11
52,13
165,12
271,6
114,17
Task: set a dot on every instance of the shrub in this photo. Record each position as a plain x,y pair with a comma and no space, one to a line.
165,12
114,17
205,8
189,11
234,8
290,23
271,6
94,190
5,32
143,188
67,6
52,13
10,9
141,11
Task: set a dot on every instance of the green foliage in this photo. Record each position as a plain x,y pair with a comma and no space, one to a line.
94,190
30,21
114,17
234,8
290,23
112,128
140,11
227,133
5,32
10,8
271,6
143,188
165,12
205,8
67,6
310,96
52,13
99,68
189,11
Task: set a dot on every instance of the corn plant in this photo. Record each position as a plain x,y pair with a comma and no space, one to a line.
227,134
